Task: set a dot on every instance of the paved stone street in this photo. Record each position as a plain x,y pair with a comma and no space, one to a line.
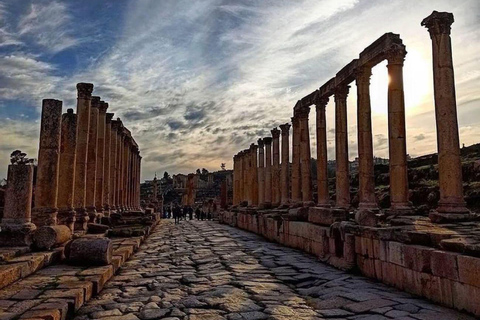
204,270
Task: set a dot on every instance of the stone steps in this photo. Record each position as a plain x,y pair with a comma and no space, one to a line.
57,291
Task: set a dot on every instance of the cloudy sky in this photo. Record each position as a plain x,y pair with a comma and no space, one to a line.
196,81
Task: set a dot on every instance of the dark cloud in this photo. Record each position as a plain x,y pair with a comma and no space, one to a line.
419,137
148,113
175,124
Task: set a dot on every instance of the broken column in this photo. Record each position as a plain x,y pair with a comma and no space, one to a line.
261,172
47,237
366,191
323,197
84,96
66,175
342,176
90,251
107,164
296,178
285,175
45,211
92,160
397,146
268,171
99,178
16,226
305,156
276,193
451,206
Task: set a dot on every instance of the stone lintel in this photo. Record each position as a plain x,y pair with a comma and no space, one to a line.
346,74
327,89
375,53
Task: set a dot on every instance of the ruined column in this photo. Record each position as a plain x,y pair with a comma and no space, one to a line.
16,226
92,159
235,180
305,156
66,175
323,197
240,177
285,176
268,171
254,174
261,172
113,164
45,212
246,177
126,143
107,164
139,175
451,205
121,138
100,171
276,193
397,147
296,178
84,96
342,175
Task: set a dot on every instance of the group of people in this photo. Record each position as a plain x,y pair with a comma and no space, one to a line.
178,213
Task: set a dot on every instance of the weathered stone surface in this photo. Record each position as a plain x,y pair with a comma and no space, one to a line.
47,237
90,251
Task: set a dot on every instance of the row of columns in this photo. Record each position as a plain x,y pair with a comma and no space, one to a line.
276,185
88,164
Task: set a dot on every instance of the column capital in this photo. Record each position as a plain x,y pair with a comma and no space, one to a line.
109,117
341,92
253,147
438,23
395,54
103,106
285,128
268,140
302,113
275,133
320,103
84,90
363,74
95,102
260,143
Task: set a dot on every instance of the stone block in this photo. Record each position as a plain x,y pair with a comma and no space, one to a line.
75,297
417,258
466,297
9,274
469,270
358,245
61,305
395,253
49,314
444,264
367,247
326,216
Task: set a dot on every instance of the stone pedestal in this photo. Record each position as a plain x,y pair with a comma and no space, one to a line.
342,183
276,192
45,212
451,206
84,91
92,160
16,224
268,171
66,176
285,170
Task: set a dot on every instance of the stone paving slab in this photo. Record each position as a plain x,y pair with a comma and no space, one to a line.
202,270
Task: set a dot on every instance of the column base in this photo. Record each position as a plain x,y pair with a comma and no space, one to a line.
92,214
326,216
81,219
67,217
16,235
440,217
368,217
455,208
44,216
400,209
308,203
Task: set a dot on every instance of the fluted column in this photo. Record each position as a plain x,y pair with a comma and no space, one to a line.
285,176
84,96
139,175
261,172
276,193
254,174
246,176
113,165
66,175
323,197
268,170
240,177
305,156
342,176
126,148
45,212
121,138
107,164
296,177
451,205
235,180
100,173
92,159
397,147
366,189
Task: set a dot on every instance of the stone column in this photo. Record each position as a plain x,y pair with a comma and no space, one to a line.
139,175
107,164
397,147
254,174
261,172
123,168
342,176
128,146
246,176
66,175
84,96
235,180
296,178
121,138
305,156
323,197
240,177
276,193
92,159
285,176
16,223
113,165
366,189
268,170
451,205
45,212
100,173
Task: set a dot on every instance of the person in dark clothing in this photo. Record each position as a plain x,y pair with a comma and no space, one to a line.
202,215
209,214
197,213
190,213
185,212
177,212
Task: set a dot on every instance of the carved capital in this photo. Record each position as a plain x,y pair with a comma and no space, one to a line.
102,107
95,102
438,23
260,143
84,90
302,113
321,104
363,74
341,92
395,54
267,141
285,128
275,133
253,147
109,117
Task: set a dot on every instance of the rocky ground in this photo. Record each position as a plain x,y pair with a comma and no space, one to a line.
204,270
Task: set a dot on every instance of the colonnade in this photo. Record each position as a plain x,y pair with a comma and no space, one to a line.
268,183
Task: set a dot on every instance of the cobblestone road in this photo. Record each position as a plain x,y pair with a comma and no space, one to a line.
204,270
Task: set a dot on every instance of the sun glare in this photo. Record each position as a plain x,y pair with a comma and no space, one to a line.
417,80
